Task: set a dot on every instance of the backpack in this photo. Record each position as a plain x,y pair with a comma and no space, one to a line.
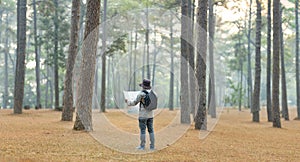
150,100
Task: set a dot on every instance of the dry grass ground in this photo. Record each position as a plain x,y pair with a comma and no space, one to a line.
41,136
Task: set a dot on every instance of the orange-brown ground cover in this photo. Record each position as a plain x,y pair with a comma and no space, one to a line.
41,136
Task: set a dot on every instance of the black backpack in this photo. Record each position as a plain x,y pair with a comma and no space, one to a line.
150,100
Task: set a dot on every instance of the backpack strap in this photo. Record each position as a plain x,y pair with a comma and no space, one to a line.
146,92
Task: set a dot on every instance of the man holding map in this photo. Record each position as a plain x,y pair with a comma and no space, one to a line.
148,102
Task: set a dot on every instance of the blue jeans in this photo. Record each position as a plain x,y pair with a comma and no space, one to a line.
143,123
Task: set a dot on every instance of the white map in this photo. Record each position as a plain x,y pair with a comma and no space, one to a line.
130,96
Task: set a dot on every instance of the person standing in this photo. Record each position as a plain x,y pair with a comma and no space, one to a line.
145,116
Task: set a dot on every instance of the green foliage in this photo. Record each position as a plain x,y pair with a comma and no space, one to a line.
117,45
45,36
7,32
230,41
232,99
46,11
170,4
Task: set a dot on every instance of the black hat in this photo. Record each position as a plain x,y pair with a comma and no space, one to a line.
146,84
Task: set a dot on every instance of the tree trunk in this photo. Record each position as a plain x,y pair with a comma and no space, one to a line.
108,81
103,81
284,104
51,87
134,60
184,93
87,68
269,106
95,95
275,76
56,79
256,94
154,68
171,93
130,62
1,14
21,54
238,55
37,58
211,30
39,52
67,113
48,83
177,93
154,58
249,57
191,56
13,60
5,95
81,21
47,87
156,51
114,79
144,59
201,116
297,59
4,103
147,41
18,32
241,78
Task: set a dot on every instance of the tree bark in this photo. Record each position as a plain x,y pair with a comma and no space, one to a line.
1,14
275,77
51,87
18,30
144,60
67,113
48,83
147,42
184,93
134,59
130,61
56,79
171,93
5,95
108,81
297,59
95,95
177,93
249,57
256,93
212,91
269,106
81,22
87,68
21,54
201,116
37,58
114,83
103,81
284,104
47,87
241,75
154,58
191,56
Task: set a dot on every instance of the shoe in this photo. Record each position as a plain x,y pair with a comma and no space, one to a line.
140,148
152,148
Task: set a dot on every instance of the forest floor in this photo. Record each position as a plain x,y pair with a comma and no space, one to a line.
39,135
